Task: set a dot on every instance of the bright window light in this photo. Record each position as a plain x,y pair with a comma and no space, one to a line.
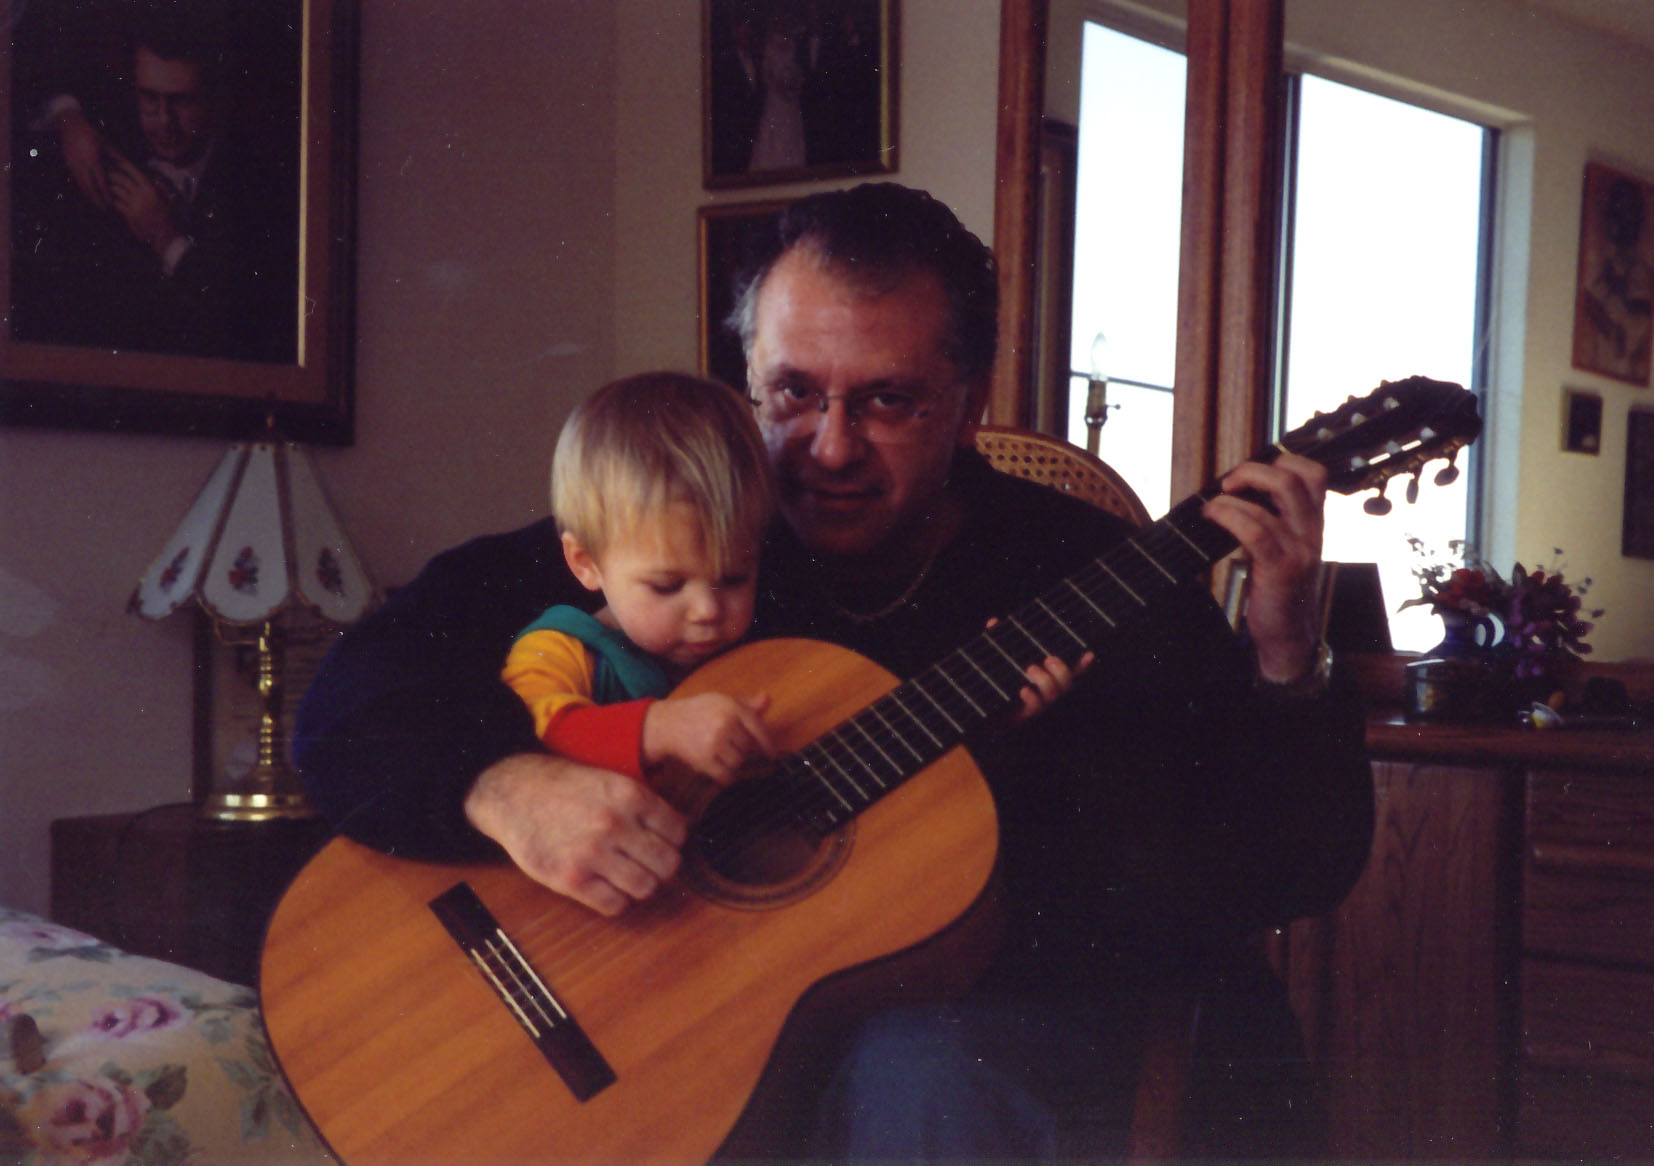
1387,225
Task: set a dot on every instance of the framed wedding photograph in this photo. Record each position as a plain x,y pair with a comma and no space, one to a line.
725,236
797,89
180,211
1614,303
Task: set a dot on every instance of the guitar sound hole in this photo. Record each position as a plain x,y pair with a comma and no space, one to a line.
752,838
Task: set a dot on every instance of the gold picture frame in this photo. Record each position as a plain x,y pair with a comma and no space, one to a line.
251,325
793,91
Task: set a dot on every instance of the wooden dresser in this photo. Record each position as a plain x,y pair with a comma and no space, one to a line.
1487,990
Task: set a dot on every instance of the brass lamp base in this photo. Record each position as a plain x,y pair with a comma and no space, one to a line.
264,795
229,806
270,790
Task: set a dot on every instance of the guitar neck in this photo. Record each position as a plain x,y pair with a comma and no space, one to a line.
851,766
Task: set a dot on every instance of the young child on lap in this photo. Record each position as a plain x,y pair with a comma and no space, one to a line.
661,490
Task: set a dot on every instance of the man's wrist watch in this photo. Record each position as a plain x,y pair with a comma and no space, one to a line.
1312,684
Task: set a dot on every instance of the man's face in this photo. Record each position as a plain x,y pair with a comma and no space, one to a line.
844,495
172,107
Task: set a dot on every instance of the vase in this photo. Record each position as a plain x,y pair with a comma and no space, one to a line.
1466,637
1455,680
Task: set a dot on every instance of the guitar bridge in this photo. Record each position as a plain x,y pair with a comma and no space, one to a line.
548,1024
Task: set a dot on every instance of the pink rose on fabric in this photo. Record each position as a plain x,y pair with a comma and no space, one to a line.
88,1121
135,1017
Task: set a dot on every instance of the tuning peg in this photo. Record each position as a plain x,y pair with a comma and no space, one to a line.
1377,504
1449,473
1413,488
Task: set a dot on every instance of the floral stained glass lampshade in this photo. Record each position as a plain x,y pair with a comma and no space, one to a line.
260,540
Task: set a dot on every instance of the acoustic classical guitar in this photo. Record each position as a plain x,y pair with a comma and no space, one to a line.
434,1012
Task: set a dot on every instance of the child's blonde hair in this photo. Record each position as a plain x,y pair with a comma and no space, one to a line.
645,441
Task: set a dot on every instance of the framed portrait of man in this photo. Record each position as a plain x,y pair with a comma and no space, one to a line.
797,89
179,216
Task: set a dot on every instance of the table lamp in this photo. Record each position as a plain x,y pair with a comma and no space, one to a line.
259,542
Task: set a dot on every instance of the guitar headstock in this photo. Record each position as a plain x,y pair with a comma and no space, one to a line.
1396,429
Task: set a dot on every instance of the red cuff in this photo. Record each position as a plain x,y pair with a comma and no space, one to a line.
609,736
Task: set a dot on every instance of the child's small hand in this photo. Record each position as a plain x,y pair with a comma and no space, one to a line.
712,733
1048,680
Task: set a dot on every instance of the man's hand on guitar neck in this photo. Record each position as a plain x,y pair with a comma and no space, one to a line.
598,837
1285,548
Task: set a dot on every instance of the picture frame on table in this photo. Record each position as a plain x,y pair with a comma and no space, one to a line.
1614,302
794,90
179,203
724,238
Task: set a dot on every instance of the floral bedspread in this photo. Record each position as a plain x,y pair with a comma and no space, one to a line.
107,1057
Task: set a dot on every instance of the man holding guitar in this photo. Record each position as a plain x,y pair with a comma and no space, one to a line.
1189,790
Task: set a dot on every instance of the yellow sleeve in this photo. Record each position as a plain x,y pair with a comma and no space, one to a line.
550,671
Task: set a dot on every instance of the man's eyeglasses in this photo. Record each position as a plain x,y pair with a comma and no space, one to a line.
884,416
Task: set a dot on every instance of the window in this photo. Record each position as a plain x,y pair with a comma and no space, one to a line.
1383,255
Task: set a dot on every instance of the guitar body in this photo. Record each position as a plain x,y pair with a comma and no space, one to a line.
400,1049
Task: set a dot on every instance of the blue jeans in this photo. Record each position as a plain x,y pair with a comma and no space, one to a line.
983,1078
1039,1076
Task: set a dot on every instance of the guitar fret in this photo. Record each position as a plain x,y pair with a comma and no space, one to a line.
822,779
920,689
1103,563
1016,623
965,656
1072,634
896,696
1178,531
1142,550
1075,588
877,748
979,710
1009,659
894,731
865,767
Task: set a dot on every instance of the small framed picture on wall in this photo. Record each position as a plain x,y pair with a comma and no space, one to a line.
1614,305
726,237
797,89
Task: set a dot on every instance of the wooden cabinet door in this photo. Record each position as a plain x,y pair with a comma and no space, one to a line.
1405,992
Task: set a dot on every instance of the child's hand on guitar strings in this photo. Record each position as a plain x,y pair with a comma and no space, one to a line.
1048,681
714,734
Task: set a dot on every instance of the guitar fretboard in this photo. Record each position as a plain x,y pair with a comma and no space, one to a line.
845,770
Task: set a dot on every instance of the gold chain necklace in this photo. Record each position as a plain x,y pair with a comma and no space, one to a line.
866,617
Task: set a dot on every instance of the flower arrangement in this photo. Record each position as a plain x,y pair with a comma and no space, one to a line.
1540,611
